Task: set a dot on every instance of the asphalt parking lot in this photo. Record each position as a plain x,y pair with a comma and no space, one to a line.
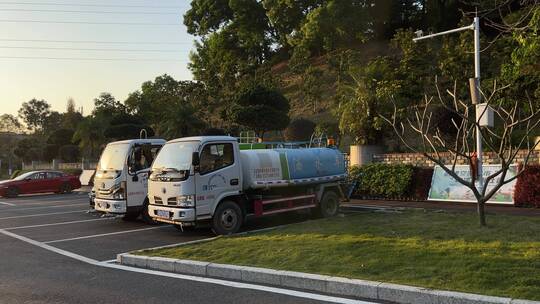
52,250
63,221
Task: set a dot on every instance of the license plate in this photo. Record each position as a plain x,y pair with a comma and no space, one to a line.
163,213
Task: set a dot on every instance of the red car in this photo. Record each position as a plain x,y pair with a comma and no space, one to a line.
39,182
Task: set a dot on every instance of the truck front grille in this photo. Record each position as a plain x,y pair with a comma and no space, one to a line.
171,201
158,201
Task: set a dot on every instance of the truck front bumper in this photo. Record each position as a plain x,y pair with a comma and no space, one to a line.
110,206
172,215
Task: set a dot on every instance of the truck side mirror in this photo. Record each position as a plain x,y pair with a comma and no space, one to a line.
195,159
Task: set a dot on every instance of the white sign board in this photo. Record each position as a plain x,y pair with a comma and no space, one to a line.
446,188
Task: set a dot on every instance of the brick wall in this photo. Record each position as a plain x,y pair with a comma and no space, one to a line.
421,161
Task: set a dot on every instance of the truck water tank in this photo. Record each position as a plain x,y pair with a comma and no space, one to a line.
282,167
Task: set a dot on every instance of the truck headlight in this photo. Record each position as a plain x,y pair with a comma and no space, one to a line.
186,201
120,192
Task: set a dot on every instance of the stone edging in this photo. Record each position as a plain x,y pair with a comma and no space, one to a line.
313,282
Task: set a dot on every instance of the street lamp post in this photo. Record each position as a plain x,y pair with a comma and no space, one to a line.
476,97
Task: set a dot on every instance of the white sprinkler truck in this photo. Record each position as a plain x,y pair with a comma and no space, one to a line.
209,178
121,179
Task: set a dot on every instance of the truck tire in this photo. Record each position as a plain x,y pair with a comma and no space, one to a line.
227,219
145,216
131,216
329,205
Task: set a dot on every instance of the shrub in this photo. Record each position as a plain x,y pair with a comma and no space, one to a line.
527,189
390,181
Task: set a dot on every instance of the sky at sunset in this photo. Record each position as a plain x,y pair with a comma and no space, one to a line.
54,49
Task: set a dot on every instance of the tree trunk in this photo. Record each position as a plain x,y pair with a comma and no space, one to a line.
481,213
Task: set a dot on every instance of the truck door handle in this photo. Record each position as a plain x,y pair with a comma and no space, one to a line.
234,182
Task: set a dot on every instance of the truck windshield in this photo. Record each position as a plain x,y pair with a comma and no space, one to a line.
113,157
175,156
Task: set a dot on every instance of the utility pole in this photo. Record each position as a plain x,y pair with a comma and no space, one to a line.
475,86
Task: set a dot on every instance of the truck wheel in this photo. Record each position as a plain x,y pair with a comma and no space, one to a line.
131,216
145,216
329,205
227,218
12,192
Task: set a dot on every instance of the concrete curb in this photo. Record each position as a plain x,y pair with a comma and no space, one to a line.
313,282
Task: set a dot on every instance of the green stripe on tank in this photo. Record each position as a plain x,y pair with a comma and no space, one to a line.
284,166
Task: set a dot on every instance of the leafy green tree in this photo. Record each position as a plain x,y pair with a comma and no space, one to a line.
71,118
107,106
89,135
299,129
361,103
312,87
165,101
10,123
34,113
260,109
52,122
69,153
126,126
30,148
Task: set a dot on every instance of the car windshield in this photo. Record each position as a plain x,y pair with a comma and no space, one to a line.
175,156
24,175
113,157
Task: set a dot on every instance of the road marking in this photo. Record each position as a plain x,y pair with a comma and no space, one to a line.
103,234
60,223
107,264
40,214
7,204
109,261
44,207
50,248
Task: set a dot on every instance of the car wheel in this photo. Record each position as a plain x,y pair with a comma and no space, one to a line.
227,218
12,192
66,188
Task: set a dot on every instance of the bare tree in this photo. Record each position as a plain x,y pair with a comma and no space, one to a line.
445,150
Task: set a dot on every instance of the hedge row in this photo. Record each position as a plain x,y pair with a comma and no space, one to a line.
398,181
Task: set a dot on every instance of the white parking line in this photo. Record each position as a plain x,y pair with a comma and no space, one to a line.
103,234
7,204
44,207
40,214
61,223
107,264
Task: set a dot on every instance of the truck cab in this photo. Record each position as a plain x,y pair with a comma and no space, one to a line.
208,178
121,179
190,175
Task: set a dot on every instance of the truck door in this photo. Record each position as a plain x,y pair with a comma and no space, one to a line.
139,162
218,176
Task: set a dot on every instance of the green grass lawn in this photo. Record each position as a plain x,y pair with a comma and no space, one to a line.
437,250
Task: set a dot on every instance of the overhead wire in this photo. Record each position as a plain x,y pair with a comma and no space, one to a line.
95,41
85,12
88,22
90,59
87,5
86,49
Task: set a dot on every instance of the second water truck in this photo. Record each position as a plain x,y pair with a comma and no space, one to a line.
209,178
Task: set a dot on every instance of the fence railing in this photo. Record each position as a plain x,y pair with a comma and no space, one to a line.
57,165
